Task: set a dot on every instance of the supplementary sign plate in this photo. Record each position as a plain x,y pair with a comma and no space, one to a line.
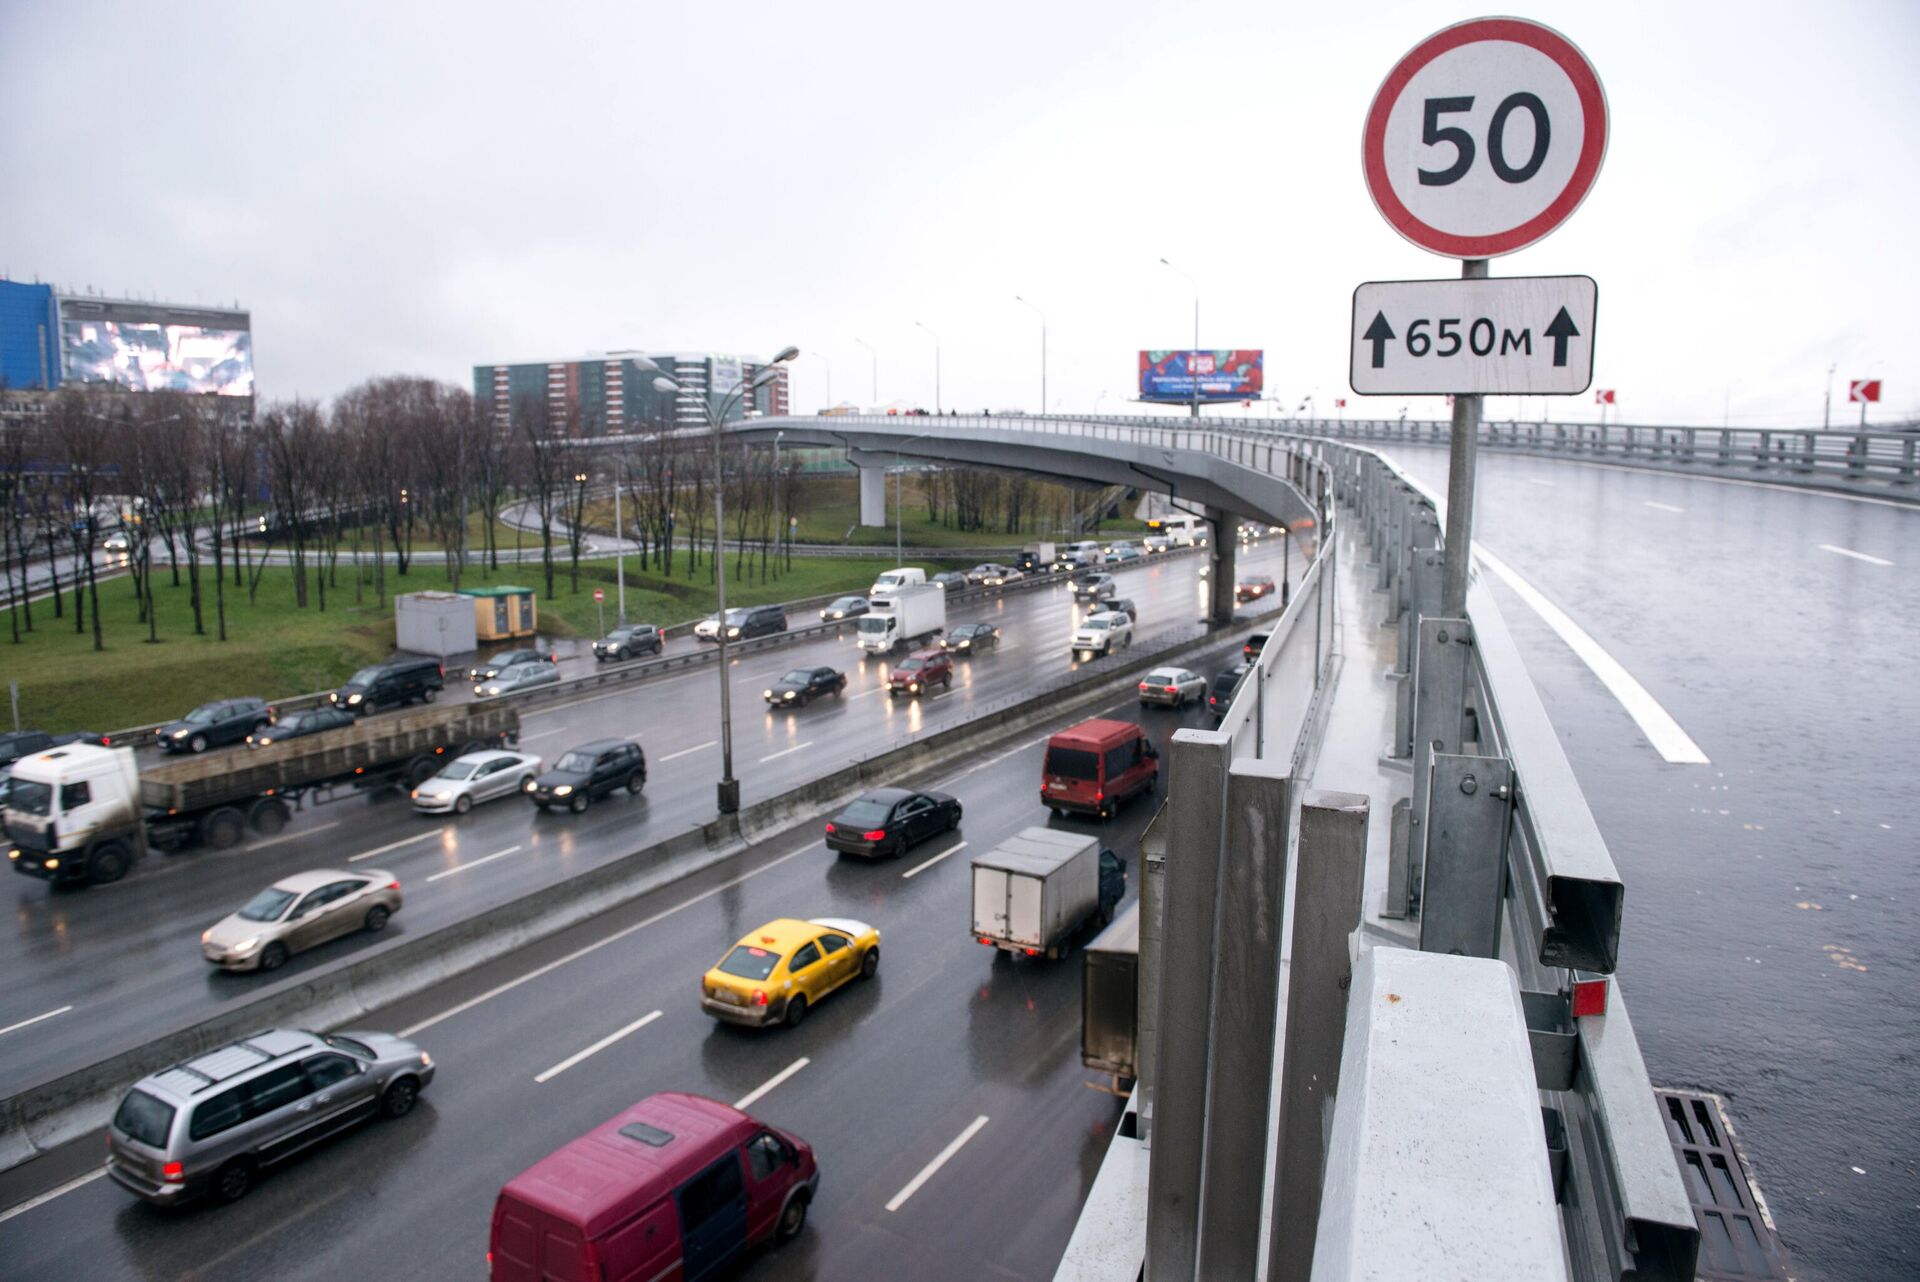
1507,336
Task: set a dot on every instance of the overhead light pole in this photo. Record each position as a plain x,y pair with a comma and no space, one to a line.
1043,351
1192,376
1826,415
936,365
875,402
729,788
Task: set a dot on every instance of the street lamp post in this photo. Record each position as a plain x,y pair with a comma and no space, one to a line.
729,787
1826,415
1043,351
875,402
1192,376
936,366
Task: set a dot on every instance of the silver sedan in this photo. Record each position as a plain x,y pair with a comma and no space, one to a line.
521,676
476,777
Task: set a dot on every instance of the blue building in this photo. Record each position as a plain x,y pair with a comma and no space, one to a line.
29,337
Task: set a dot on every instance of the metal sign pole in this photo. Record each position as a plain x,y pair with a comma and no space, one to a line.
1460,459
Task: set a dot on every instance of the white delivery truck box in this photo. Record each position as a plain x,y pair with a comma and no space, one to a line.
1034,890
910,614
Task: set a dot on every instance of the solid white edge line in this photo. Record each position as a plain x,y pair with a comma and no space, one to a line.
471,1002
754,1095
304,832
597,1047
35,1020
1661,507
785,752
1655,722
541,734
932,1168
920,868
48,1196
391,845
1858,556
484,859
687,751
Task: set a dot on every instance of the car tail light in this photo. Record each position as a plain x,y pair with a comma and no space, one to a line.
393,885
1099,794
106,741
878,834
443,671
173,1173
829,827
986,941
1033,952
1145,686
759,997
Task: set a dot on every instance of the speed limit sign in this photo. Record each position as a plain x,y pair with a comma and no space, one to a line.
1485,137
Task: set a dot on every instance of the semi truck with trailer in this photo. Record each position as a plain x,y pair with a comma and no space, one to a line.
82,814
911,614
1039,888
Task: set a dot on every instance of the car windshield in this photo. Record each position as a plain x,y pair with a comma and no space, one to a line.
268,904
575,762
1072,763
364,677
737,617
797,677
459,769
907,665
750,963
359,1050
871,625
845,603
202,714
144,1119
1097,624
865,812
29,797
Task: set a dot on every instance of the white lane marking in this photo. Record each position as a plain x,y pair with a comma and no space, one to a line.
864,693
1661,507
932,1168
304,832
920,868
391,845
785,752
754,1095
72,1184
1858,556
597,1047
541,734
598,944
1655,722
1534,480
687,751
35,1020
484,859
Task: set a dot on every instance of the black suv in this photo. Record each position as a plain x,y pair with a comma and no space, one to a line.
20,743
499,663
212,724
755,621
1221,690
624,643
389,685
589,772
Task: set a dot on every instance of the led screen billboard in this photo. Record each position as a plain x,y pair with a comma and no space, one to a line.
151,357
1235,375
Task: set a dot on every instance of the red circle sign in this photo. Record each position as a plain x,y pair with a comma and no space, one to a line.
1485,137
599,594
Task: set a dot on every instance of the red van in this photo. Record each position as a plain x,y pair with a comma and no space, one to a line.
675,1189
1097,765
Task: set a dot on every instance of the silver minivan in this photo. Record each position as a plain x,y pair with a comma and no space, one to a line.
211,1124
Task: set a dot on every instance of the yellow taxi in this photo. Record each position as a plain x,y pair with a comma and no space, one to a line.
777,972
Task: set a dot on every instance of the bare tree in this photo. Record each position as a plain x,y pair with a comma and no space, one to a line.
541,470
77,421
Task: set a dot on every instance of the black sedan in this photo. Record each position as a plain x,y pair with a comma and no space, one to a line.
888,820
295,724
803,685
972,638
212,724
624,643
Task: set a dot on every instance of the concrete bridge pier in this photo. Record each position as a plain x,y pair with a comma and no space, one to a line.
1222,541
873,496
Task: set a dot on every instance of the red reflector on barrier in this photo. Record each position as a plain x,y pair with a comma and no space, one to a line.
1589,997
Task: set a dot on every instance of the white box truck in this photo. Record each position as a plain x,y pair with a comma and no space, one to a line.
1035,891
911,614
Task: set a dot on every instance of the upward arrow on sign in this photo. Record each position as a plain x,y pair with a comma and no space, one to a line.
1380,334
1560,330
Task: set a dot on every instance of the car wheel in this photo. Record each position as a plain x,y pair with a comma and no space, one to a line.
109,863
870,963
954,821
579,803
793,1218
462,804
623,654
796,1011
198,743
274,957
376,919
429,695
397,1100
233,1180
1057,812
635,782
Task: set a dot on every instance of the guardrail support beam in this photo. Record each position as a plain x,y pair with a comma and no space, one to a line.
1469,809
1439,708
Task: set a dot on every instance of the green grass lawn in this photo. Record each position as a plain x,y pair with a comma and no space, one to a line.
276,649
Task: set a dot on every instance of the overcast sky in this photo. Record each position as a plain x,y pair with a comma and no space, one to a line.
418,188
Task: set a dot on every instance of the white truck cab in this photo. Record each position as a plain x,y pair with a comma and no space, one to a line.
76,805
891,581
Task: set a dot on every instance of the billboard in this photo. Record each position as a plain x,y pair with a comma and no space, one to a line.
151,356
1234,375
728,373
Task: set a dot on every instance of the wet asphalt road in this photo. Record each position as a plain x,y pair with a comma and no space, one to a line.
896,1070
125,958
1768,947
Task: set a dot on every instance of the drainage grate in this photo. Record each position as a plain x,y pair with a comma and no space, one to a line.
1737,1241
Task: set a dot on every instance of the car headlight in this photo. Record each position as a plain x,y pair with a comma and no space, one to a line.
246,945
181,734
206,935
353,698
965,644
426,1060
913,687
787,695
563,790
530,786
733,632
766,694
